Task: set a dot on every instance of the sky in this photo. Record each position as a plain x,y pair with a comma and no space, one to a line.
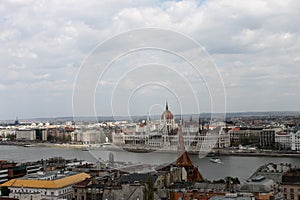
251,50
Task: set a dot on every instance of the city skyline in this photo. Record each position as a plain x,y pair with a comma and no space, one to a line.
254,45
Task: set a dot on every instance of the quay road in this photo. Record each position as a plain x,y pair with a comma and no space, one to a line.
257,152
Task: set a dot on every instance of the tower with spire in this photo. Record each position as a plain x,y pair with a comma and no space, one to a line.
189,171
167,121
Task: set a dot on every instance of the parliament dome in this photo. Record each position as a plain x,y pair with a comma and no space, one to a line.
167,114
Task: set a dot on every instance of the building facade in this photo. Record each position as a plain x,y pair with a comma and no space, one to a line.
295,141
25,134
267,138
52,186
283,140
291,185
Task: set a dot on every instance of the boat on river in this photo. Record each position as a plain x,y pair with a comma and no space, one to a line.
215,160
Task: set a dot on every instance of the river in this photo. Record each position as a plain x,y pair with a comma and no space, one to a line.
235,166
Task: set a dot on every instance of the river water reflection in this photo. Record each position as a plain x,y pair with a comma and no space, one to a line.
235,166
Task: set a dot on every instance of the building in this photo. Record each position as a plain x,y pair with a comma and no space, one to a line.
168,124
244,136
267,138
53,185
26,196
88,190
41,134
166,136
283,140
89,135
189,171
25,134
295,141
10,170
291,184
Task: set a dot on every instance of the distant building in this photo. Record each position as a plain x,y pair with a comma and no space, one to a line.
4,132
244,136
165,137
89,136
52,185
295,141
267,138
25,134
41,134
283,140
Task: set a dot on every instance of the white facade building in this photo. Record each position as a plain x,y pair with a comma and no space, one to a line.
295,141
283,140
52,186
25,134
89,136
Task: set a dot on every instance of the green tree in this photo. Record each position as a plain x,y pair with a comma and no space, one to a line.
11,137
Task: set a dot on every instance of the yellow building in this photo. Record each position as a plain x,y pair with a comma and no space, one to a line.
51,186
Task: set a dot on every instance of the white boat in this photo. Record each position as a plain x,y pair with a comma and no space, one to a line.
85,149
28,145
215,160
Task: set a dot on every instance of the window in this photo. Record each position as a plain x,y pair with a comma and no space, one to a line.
285,197
292,190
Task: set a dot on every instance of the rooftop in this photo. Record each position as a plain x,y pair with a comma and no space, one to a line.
48,184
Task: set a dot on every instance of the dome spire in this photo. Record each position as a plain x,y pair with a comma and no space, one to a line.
167,114
167,107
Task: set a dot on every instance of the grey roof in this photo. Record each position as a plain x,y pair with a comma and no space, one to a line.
258,186
127,178
229,198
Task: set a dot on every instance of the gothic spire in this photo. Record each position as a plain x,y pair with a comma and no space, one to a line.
167,107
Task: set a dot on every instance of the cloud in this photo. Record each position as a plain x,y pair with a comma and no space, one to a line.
255,44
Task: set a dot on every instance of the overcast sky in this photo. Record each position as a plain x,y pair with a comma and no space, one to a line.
254,44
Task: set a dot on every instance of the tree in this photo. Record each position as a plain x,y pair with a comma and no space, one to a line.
149,189
11,137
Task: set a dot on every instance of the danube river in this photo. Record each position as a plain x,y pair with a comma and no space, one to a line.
235,166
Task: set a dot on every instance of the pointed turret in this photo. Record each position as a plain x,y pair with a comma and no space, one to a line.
180,146
184,160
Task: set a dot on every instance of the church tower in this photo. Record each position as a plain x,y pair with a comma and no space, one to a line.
184,161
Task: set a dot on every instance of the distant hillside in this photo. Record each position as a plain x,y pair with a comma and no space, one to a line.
185,117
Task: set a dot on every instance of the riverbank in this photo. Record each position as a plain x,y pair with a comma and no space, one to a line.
49,145
260,153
